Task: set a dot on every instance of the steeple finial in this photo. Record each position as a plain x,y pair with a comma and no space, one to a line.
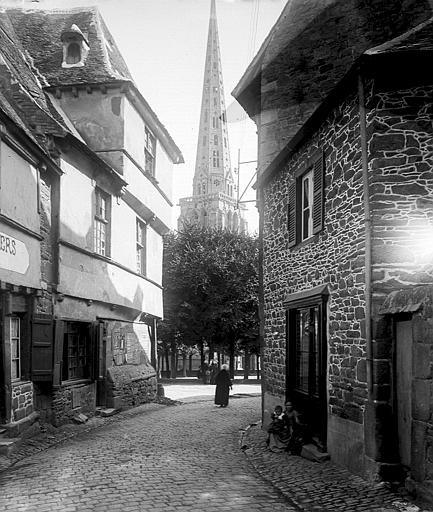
212,10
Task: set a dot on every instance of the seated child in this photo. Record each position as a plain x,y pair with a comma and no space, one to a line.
279,430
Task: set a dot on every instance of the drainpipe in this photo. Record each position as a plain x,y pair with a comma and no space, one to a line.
261,296
368,228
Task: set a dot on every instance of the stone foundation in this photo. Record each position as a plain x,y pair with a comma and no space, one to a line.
73,399
22,400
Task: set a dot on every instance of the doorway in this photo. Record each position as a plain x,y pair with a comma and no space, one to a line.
403,391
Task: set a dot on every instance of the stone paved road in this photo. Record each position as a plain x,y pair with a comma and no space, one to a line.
182,458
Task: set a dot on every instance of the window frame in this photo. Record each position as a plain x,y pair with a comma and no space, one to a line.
149,151
306,205
313,401
85,342
15,361
141,246
102,221
314,172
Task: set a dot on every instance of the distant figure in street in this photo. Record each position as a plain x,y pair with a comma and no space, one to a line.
223,384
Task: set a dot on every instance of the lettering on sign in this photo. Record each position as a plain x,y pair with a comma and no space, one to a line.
13,254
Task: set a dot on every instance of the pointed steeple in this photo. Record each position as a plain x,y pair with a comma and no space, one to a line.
214,191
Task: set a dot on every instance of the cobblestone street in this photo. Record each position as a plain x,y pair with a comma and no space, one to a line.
180,458
185,457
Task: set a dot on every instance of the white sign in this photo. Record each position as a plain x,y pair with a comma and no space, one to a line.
13,254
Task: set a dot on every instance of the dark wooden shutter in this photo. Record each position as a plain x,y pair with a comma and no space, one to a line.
58,352
291,214
318,194
42,348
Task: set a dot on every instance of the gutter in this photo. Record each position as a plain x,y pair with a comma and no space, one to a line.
368,230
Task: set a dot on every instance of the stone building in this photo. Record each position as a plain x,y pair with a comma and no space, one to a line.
214,198
341,93
102,204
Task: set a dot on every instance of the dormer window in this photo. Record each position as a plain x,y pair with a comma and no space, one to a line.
75,47
73,53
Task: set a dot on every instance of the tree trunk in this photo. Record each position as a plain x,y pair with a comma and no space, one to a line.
247,362
219,359
210,354
258,366
173,360
201,354
167,361
190,364
232,358
183,365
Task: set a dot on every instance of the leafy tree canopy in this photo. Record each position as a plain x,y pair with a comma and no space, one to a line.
210,279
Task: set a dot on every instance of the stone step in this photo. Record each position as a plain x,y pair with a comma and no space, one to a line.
108,412
7,445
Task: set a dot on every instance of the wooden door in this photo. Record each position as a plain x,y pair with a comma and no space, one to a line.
403,369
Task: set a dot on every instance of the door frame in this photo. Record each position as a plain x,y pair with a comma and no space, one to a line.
312,405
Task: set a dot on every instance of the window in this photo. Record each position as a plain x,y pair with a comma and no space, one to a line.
15,337
73,53
102,223
305,202
204,140
76,351
149,152
307,205
215,122
216,158
141,247
215,140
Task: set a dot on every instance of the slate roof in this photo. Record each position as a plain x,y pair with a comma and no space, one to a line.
40,34
418,38
315,43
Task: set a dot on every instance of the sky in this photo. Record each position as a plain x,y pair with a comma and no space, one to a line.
164,44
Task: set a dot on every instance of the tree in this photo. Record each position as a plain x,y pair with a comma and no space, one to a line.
210,280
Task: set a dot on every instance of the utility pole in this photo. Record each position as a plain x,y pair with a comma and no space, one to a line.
239,199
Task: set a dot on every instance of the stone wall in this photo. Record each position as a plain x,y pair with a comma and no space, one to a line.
130,385
22,400
68,401
401,164
334,257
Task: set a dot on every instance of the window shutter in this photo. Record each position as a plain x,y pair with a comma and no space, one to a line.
95,354
42,348
58,352
291,214
318,194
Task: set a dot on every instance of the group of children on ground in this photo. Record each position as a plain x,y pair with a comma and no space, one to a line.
287,430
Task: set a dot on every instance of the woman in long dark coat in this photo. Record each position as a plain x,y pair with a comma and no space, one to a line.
223,384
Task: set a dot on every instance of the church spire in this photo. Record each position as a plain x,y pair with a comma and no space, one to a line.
214,191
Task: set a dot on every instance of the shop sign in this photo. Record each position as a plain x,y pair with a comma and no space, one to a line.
13,254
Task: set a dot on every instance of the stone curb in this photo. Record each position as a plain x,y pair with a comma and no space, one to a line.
318,487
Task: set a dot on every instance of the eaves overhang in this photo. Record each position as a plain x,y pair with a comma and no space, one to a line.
133,94
17,138
102,164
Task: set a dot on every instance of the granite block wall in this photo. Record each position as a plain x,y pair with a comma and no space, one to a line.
334,257
22,400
